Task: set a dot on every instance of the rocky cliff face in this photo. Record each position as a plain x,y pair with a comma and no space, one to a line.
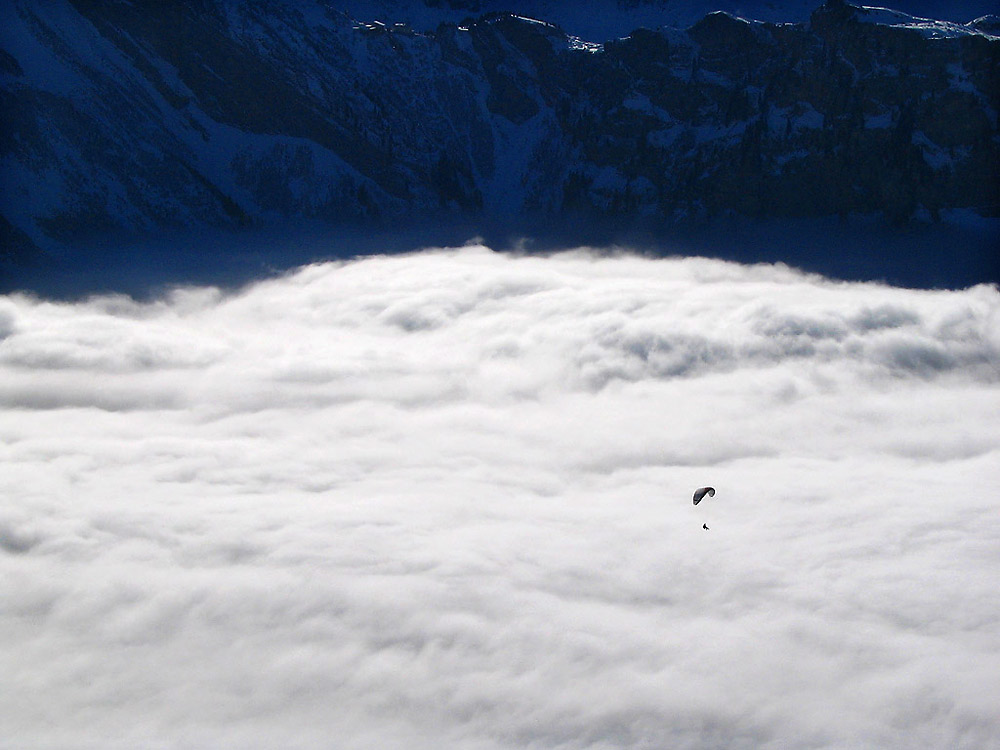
145,115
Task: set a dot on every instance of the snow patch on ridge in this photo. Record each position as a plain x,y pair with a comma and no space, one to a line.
928,27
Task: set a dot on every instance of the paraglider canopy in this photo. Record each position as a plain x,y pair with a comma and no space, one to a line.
701,492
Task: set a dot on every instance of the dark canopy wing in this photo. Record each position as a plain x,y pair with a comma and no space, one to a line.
701,492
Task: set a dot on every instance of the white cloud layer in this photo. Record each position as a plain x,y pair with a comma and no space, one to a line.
443,500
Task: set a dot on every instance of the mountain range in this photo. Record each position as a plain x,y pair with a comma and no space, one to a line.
130,122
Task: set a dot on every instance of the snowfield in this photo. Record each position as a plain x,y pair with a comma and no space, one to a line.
443,500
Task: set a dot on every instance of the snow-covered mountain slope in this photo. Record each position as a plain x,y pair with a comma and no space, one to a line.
141,117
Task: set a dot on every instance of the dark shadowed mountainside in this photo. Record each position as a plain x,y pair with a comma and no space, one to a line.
150,142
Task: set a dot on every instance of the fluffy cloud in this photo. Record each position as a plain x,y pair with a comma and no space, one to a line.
443,500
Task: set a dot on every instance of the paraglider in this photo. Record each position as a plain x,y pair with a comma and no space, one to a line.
701,492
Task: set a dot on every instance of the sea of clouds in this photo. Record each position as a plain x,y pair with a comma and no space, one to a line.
443,500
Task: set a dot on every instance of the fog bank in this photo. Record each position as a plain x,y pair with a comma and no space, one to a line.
444,500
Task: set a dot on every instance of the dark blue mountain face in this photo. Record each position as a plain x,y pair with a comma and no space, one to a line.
150,142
